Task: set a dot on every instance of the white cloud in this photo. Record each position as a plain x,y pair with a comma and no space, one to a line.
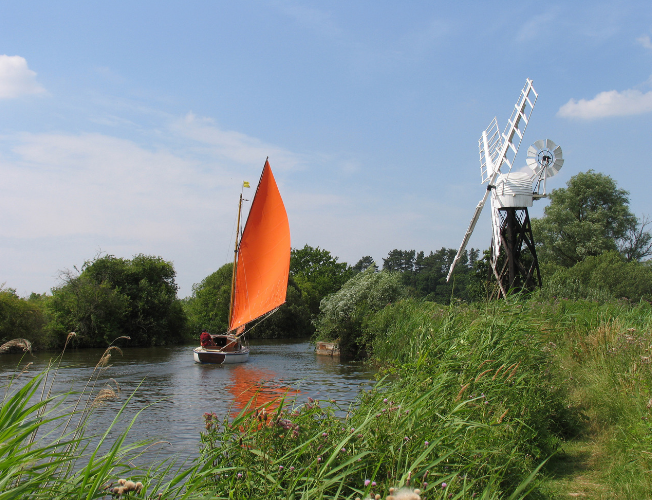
16,79
645,41
233,146
610,103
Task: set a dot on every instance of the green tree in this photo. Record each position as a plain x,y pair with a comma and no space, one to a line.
425,275
292,320
317,274
208,308
21,318
113,296
606,276
589,217
364,263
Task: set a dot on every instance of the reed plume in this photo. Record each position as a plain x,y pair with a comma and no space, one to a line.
24,344
464,388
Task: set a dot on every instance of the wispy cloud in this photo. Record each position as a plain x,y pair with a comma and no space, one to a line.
606,104
311,18
230,145
16,79
645,41
536,25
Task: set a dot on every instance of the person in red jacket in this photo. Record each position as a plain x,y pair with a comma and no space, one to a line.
206,340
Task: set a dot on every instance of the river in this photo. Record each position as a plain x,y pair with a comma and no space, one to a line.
181,391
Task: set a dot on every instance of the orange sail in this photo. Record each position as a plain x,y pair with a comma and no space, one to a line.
263,263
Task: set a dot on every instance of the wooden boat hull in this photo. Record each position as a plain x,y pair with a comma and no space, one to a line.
215,356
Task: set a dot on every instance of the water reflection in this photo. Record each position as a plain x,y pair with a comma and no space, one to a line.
258,386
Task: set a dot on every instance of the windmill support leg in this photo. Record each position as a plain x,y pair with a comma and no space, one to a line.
520,266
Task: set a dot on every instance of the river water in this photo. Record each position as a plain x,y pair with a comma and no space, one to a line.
181,391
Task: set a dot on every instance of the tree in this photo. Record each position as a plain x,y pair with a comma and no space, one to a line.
208,308
589,217
637,243
425,275
113,296
20,318
364,263
317,274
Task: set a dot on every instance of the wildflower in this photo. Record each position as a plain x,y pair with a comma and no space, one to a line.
352,429
406,438
318,459
367,482
385,400
280,467
343,450
373,483
291,468
310,400
324,434
426,444
443,485
239,475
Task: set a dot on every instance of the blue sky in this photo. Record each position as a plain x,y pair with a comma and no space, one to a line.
128,127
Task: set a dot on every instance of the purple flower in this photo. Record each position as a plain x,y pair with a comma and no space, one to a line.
318,459
324,434
280,467
373,483
426,443
343,450
443,485
406,438
239,475
367,482
291,467
385,400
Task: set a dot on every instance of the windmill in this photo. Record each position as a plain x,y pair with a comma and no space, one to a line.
511,195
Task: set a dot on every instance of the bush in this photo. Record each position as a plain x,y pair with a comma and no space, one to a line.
344,312
604,277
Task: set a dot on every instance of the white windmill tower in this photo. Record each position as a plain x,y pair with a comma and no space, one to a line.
511,195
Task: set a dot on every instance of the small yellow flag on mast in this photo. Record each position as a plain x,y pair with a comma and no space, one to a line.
245,184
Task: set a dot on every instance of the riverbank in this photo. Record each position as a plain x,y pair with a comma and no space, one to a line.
498,400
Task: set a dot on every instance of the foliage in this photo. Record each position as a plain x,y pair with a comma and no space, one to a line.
292,320
364,263
604,277
208,307
22,318
317,274
344,312
587,218
425,275
114,296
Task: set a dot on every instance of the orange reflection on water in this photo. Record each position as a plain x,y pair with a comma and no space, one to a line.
260,384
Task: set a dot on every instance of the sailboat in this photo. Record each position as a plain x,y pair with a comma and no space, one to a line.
261,268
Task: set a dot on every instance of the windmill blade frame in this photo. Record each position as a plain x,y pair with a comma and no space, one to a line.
495,150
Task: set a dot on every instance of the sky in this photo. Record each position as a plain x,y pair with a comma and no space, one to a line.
128,127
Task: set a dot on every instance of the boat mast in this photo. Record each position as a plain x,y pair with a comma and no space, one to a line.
235,259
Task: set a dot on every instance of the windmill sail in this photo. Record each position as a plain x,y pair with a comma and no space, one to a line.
263,262
494,152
